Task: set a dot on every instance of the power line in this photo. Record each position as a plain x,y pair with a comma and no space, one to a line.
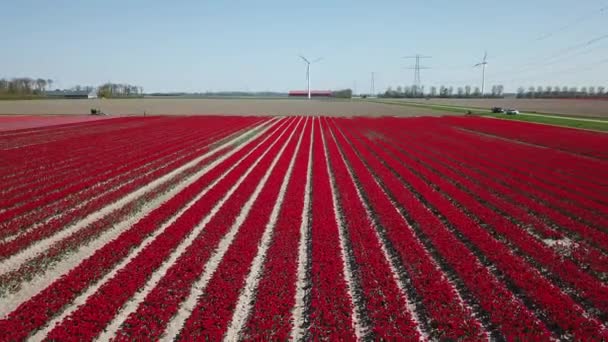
572,23
576,69
556,56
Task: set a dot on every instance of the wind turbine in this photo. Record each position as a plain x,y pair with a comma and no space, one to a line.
483,64
308,63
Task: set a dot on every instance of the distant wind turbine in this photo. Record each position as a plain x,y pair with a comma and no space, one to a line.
308,63
483,64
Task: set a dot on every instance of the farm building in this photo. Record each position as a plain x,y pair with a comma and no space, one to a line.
73,94
313,93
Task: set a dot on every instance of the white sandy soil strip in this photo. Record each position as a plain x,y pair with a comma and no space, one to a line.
102,190
245,302
410,306
132,305
178,321
80,300
102,185
300,311
38,284
18,259
362,330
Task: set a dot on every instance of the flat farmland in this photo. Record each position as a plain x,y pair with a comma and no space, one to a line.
161,106
576,107
303,227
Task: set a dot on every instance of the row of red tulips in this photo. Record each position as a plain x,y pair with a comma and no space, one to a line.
89,168
62,199
71,211
60,250
518,187
503,313
270,316
571,140
560,309
586,285
65,150
37,311
330,312
383,301
214,309
529,213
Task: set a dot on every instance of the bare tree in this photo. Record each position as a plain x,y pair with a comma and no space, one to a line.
521,92
500,89
3,85
556,90
40,85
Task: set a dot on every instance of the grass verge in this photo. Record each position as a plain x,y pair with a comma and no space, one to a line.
548,119
596,126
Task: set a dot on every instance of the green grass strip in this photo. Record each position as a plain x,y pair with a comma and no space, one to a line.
596,124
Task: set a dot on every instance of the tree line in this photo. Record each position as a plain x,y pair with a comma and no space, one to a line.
119,90
442,92
562,92
26,87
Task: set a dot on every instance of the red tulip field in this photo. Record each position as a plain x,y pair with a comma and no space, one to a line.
303,227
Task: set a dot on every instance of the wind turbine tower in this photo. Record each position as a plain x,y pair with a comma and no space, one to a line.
483,64
308,63
372,88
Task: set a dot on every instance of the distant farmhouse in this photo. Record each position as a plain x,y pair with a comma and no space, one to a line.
73,94
313,93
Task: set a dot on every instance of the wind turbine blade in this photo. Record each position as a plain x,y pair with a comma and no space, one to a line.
485,55
317,60
304,58
476,65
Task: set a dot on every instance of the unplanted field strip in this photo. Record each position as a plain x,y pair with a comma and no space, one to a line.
401,228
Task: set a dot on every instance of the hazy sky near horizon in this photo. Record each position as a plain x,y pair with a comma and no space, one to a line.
202,46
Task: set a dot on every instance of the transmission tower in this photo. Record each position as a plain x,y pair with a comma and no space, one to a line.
417,67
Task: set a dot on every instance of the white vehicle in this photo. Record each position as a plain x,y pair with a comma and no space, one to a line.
511,111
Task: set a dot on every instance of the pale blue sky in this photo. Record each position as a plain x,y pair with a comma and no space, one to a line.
253,45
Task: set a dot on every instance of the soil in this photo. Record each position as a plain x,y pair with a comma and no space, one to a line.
155,106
